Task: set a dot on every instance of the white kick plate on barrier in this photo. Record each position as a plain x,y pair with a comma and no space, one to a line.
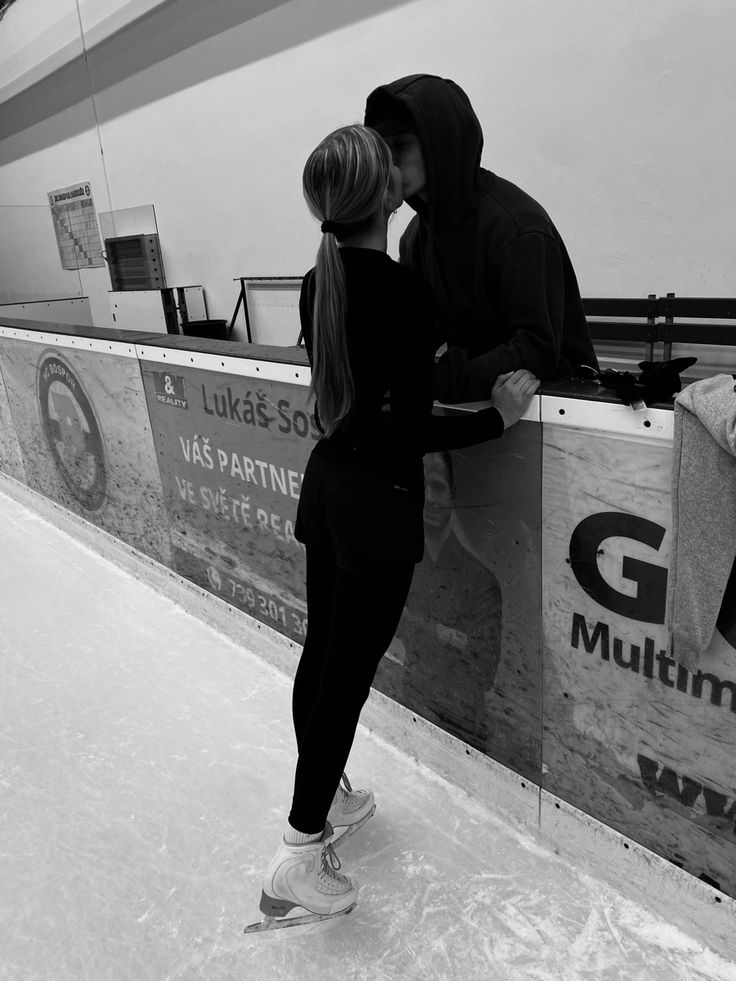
298,374
50,339
609,417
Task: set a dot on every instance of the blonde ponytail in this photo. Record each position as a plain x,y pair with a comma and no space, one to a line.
332,380
344,181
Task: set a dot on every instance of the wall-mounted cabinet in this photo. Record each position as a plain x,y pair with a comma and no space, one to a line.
134,262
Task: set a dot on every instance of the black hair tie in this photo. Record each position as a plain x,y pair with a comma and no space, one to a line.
330,227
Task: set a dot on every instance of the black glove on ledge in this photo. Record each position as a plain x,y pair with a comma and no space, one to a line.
658,381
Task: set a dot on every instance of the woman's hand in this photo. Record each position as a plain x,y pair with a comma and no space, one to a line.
512,393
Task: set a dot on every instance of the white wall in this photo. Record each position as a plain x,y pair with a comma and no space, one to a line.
615,115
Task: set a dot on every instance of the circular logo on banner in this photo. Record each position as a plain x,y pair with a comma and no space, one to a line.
72,432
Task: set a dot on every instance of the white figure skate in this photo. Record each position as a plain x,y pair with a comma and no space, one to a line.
307,877
349,811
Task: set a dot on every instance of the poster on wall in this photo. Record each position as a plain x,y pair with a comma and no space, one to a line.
467,652
232,451
631,737
75,225
82,428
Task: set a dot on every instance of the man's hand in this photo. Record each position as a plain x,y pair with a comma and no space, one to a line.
512,393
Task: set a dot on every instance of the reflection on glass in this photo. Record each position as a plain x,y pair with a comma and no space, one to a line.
467,653
31,271
129,221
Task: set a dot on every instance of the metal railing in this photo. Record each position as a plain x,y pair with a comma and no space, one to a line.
662,320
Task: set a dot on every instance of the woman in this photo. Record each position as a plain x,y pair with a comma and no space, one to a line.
368,329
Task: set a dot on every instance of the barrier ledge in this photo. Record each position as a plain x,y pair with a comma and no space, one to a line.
292,355
177,342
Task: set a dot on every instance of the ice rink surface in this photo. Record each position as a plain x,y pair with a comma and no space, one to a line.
145,775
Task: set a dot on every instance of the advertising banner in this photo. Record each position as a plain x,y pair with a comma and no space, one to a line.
467,653
631,737
81,422
232,451
11,461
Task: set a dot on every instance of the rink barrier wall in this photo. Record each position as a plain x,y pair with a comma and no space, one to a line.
557,826
528,700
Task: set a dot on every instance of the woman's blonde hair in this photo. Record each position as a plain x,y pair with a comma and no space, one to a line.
344,181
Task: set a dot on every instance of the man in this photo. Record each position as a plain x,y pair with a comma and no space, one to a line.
507,292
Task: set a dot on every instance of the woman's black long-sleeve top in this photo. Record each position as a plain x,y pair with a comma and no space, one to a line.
392,341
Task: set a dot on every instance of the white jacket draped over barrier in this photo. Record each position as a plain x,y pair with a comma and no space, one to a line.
703,513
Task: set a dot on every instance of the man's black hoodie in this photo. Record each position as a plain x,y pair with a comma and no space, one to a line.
507,293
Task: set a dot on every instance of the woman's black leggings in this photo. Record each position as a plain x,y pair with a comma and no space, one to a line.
352,619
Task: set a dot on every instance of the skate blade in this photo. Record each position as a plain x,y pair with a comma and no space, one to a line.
341,835
280,923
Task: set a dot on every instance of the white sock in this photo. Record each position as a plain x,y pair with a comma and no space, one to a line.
294,837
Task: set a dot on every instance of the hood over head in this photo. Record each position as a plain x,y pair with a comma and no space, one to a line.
449,133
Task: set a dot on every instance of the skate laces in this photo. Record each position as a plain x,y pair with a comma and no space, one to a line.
331,865
345,792
350,799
